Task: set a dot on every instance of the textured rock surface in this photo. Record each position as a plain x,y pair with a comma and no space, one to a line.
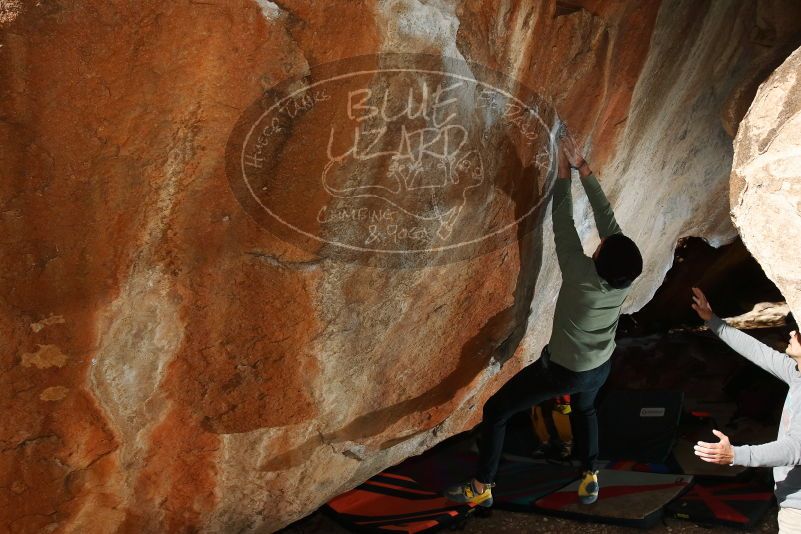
168,365
766,178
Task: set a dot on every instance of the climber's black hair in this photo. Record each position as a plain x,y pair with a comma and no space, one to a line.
619,261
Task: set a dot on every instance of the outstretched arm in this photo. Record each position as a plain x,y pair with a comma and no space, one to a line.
568,245
784,451
774,362
601,209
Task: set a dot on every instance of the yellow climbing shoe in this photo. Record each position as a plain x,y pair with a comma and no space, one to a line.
588,489
466,493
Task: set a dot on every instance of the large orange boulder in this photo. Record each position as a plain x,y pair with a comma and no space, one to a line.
255,252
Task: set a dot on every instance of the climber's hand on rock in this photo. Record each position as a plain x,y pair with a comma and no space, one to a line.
701,305
574,155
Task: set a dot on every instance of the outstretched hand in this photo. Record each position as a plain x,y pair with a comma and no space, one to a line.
716,453
701,305
574,155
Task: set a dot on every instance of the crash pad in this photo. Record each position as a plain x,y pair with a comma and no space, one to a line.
518,483
642,467
627,498
724,502
408,497
390,502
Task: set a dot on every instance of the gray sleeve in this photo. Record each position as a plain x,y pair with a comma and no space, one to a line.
774,362
784,451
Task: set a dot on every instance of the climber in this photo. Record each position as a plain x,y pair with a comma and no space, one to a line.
576,360
784,454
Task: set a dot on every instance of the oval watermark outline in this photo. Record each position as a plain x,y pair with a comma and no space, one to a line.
552,133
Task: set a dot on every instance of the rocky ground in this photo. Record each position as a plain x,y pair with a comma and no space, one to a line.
501,521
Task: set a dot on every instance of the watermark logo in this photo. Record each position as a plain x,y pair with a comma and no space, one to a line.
395,160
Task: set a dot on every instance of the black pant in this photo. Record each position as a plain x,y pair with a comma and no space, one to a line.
534,384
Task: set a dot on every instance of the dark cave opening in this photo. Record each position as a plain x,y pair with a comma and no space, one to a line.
731,278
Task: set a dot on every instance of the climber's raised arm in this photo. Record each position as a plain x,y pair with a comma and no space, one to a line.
569,252
601,209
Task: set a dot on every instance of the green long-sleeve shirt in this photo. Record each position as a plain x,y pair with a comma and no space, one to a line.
588,308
